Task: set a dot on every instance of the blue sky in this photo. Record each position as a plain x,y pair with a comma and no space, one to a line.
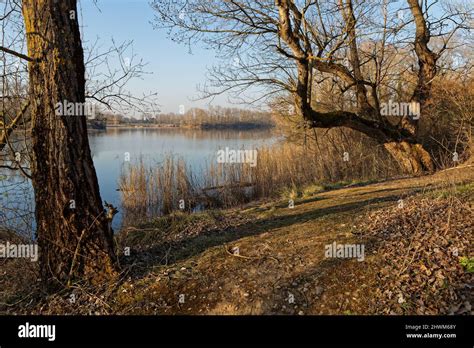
175,72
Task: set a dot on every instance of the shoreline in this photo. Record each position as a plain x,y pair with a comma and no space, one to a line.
201,127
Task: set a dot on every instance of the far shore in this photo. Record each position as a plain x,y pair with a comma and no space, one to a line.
245,126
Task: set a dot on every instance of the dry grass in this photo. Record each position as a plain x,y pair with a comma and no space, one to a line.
153,191
283,170
16,275
450,122
282,252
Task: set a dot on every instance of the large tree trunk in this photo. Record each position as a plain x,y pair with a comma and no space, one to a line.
73,232
413,158
399,141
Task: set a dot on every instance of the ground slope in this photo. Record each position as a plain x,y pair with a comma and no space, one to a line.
188,264
281,266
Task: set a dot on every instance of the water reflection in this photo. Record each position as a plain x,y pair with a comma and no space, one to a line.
112,148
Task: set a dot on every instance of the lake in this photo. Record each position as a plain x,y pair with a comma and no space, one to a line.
116,147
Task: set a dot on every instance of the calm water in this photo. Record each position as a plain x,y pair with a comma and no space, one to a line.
110,150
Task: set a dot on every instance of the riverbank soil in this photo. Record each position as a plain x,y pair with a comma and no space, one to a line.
267,258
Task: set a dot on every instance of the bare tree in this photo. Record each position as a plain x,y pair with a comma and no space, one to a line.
288,47
73,228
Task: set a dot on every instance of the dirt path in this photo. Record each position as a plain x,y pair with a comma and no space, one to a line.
281,266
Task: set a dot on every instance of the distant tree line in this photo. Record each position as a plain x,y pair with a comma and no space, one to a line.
213,118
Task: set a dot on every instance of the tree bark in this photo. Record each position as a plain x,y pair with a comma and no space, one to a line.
412,157
73,231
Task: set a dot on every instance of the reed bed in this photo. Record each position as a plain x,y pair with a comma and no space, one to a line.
283,170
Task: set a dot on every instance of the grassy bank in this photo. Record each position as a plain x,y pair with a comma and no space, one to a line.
417,257
282,171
